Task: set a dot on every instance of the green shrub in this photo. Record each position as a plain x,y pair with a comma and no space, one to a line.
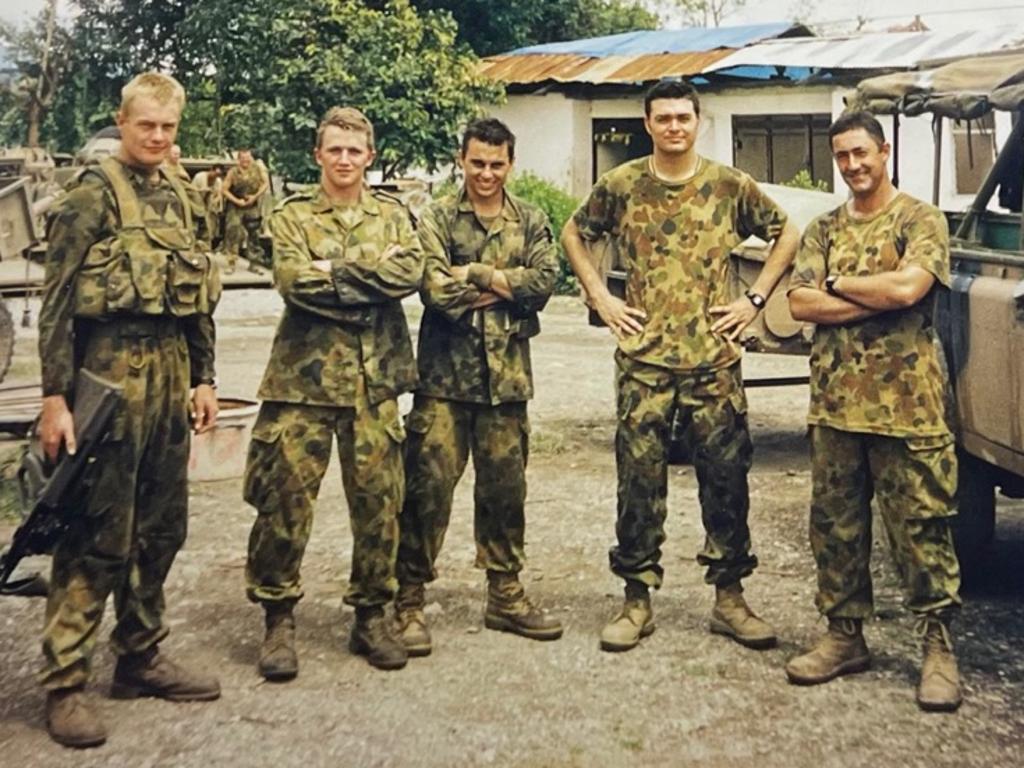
803,180
558,205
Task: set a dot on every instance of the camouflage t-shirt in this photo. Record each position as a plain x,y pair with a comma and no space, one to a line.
674,242
881,375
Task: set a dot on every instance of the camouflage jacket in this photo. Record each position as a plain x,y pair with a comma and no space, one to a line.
482,356
339,326
674,241
242,183
882,375
86,215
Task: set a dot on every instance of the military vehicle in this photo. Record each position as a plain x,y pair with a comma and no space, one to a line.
981,321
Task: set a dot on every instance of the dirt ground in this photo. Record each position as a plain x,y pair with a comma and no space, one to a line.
684,697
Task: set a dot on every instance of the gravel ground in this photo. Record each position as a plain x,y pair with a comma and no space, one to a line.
684,697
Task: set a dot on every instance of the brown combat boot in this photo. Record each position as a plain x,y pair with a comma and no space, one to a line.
151,673
278,660
371,637
635,621
939,689
733,618
410,621
70,720
510,610
841,651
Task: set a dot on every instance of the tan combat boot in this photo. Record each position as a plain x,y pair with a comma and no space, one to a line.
733,618
278,660
841,651
939,690
635,621
410,621
510,610
371,637
151,673
71,721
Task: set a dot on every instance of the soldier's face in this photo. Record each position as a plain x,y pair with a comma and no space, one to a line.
343,157
244,159
861,161
486,167
673,125
175,154
148,129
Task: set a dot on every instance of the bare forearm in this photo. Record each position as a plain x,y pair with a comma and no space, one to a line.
580,261
813,305
779,258
887,290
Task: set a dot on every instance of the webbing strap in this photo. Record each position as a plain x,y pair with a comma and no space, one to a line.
128,202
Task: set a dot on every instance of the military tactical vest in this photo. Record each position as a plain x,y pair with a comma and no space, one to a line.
145,268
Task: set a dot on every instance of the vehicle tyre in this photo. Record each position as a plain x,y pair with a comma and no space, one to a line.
974,526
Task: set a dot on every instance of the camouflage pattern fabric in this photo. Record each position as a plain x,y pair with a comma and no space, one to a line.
442,435
649,399
133,517
674,241
288,456
482,356
341,327
882,375
242,225
913,481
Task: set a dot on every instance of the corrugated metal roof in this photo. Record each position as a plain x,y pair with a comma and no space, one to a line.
689,40
629,57
567,68
885,50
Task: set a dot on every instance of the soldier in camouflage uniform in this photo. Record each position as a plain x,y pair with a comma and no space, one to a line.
490,268
867,274
174,166
129,297
675,216
244,187
343,259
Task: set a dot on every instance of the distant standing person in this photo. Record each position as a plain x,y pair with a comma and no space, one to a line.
244,187
210,184
344,259
675,217
867,275
174,165
491,266
153,334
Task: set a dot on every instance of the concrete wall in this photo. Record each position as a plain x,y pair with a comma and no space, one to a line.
554,134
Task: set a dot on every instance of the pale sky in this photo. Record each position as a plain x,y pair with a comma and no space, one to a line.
937,14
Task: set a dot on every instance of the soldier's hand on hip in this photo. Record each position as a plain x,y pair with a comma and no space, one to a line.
204,408
622,319
56,427
733,317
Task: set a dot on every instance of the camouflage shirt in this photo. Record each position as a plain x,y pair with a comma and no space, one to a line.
483,355
350,322
242,183
87,214
881,375
674,242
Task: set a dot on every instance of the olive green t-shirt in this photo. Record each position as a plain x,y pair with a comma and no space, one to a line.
884,374
674,240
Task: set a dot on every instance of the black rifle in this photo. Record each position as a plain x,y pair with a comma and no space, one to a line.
52,493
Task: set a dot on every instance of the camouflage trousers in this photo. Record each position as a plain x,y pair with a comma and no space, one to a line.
914,482
442,434
134,510
649,399
242,235
288,456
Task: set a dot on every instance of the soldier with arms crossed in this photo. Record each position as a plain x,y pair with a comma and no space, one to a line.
867,274
128,297
675,217
343,259
244,187
490,267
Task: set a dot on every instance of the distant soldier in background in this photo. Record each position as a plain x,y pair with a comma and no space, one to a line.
173,164
210,185
244,188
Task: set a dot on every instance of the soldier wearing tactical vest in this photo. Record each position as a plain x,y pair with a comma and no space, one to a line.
244,187
344,258
128,297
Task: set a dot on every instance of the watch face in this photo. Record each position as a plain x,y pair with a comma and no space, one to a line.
756,299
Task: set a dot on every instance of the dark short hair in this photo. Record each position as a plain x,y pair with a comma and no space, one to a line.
672,89
491,131
851,121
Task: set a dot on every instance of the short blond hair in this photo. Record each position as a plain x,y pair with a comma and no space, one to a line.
156,85
348,119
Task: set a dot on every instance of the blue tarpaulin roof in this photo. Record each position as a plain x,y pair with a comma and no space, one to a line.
643,42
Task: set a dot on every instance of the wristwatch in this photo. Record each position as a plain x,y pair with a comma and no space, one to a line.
208,380
830,285
756,299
